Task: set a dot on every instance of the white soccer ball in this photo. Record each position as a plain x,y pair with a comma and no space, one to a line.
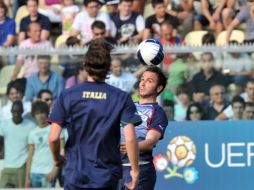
150,52
181,151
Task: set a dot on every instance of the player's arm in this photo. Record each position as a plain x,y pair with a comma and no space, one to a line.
54,143
133,154
28,164
151,140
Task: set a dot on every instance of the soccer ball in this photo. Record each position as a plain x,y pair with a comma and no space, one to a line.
150,52
181,151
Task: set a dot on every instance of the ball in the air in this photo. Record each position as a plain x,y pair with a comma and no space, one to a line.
150,52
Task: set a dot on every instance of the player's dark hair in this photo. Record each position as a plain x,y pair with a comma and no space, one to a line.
98,60
98,24
39,95
157,2
162,79
41,107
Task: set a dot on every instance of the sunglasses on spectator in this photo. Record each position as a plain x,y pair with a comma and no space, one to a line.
48,99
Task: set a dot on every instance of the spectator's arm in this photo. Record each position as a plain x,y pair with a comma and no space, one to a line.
218,10
45,34
205,11
28,164
187,6
231,27
221,116
17,69
9,41
146,34
21,37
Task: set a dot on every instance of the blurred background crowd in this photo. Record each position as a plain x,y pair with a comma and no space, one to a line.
201,85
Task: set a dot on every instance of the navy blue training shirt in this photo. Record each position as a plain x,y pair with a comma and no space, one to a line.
92,113
153,118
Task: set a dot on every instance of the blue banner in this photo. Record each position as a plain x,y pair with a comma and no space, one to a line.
207,155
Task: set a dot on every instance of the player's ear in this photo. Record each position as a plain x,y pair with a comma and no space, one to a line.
159,89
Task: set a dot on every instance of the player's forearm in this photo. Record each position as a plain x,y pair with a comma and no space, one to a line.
146,145
55,148
132,146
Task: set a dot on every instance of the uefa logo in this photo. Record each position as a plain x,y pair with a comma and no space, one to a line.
181,153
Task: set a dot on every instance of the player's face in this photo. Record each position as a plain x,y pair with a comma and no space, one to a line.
148,85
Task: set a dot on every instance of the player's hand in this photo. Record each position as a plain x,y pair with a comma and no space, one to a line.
133,184
123,149
60,161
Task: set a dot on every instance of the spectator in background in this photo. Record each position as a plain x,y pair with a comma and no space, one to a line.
68,63
83,21
206,78
34,41
237,66
99,31
15,132
248,96
68,13
248,112
123,80
153,22
183,11
182,99
112,6
169,108
46,96
168,39
127,26
178,72
7,27
14,93
34,16
79,77
238,105
195,112
40,169
44,79
217,102
213,14
51,9
246,15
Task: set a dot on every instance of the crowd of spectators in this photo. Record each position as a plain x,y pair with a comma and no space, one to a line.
200,87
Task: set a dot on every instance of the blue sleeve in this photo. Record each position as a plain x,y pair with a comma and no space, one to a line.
23,25
59,112
29,93
46,25
159,121
129,113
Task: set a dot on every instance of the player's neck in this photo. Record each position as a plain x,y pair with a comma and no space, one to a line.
147,100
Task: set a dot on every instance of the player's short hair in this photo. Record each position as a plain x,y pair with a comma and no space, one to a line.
40,106
156,2
98,24
39,95
162,79
97,60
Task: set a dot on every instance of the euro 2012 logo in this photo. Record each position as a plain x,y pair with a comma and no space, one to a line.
181,152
